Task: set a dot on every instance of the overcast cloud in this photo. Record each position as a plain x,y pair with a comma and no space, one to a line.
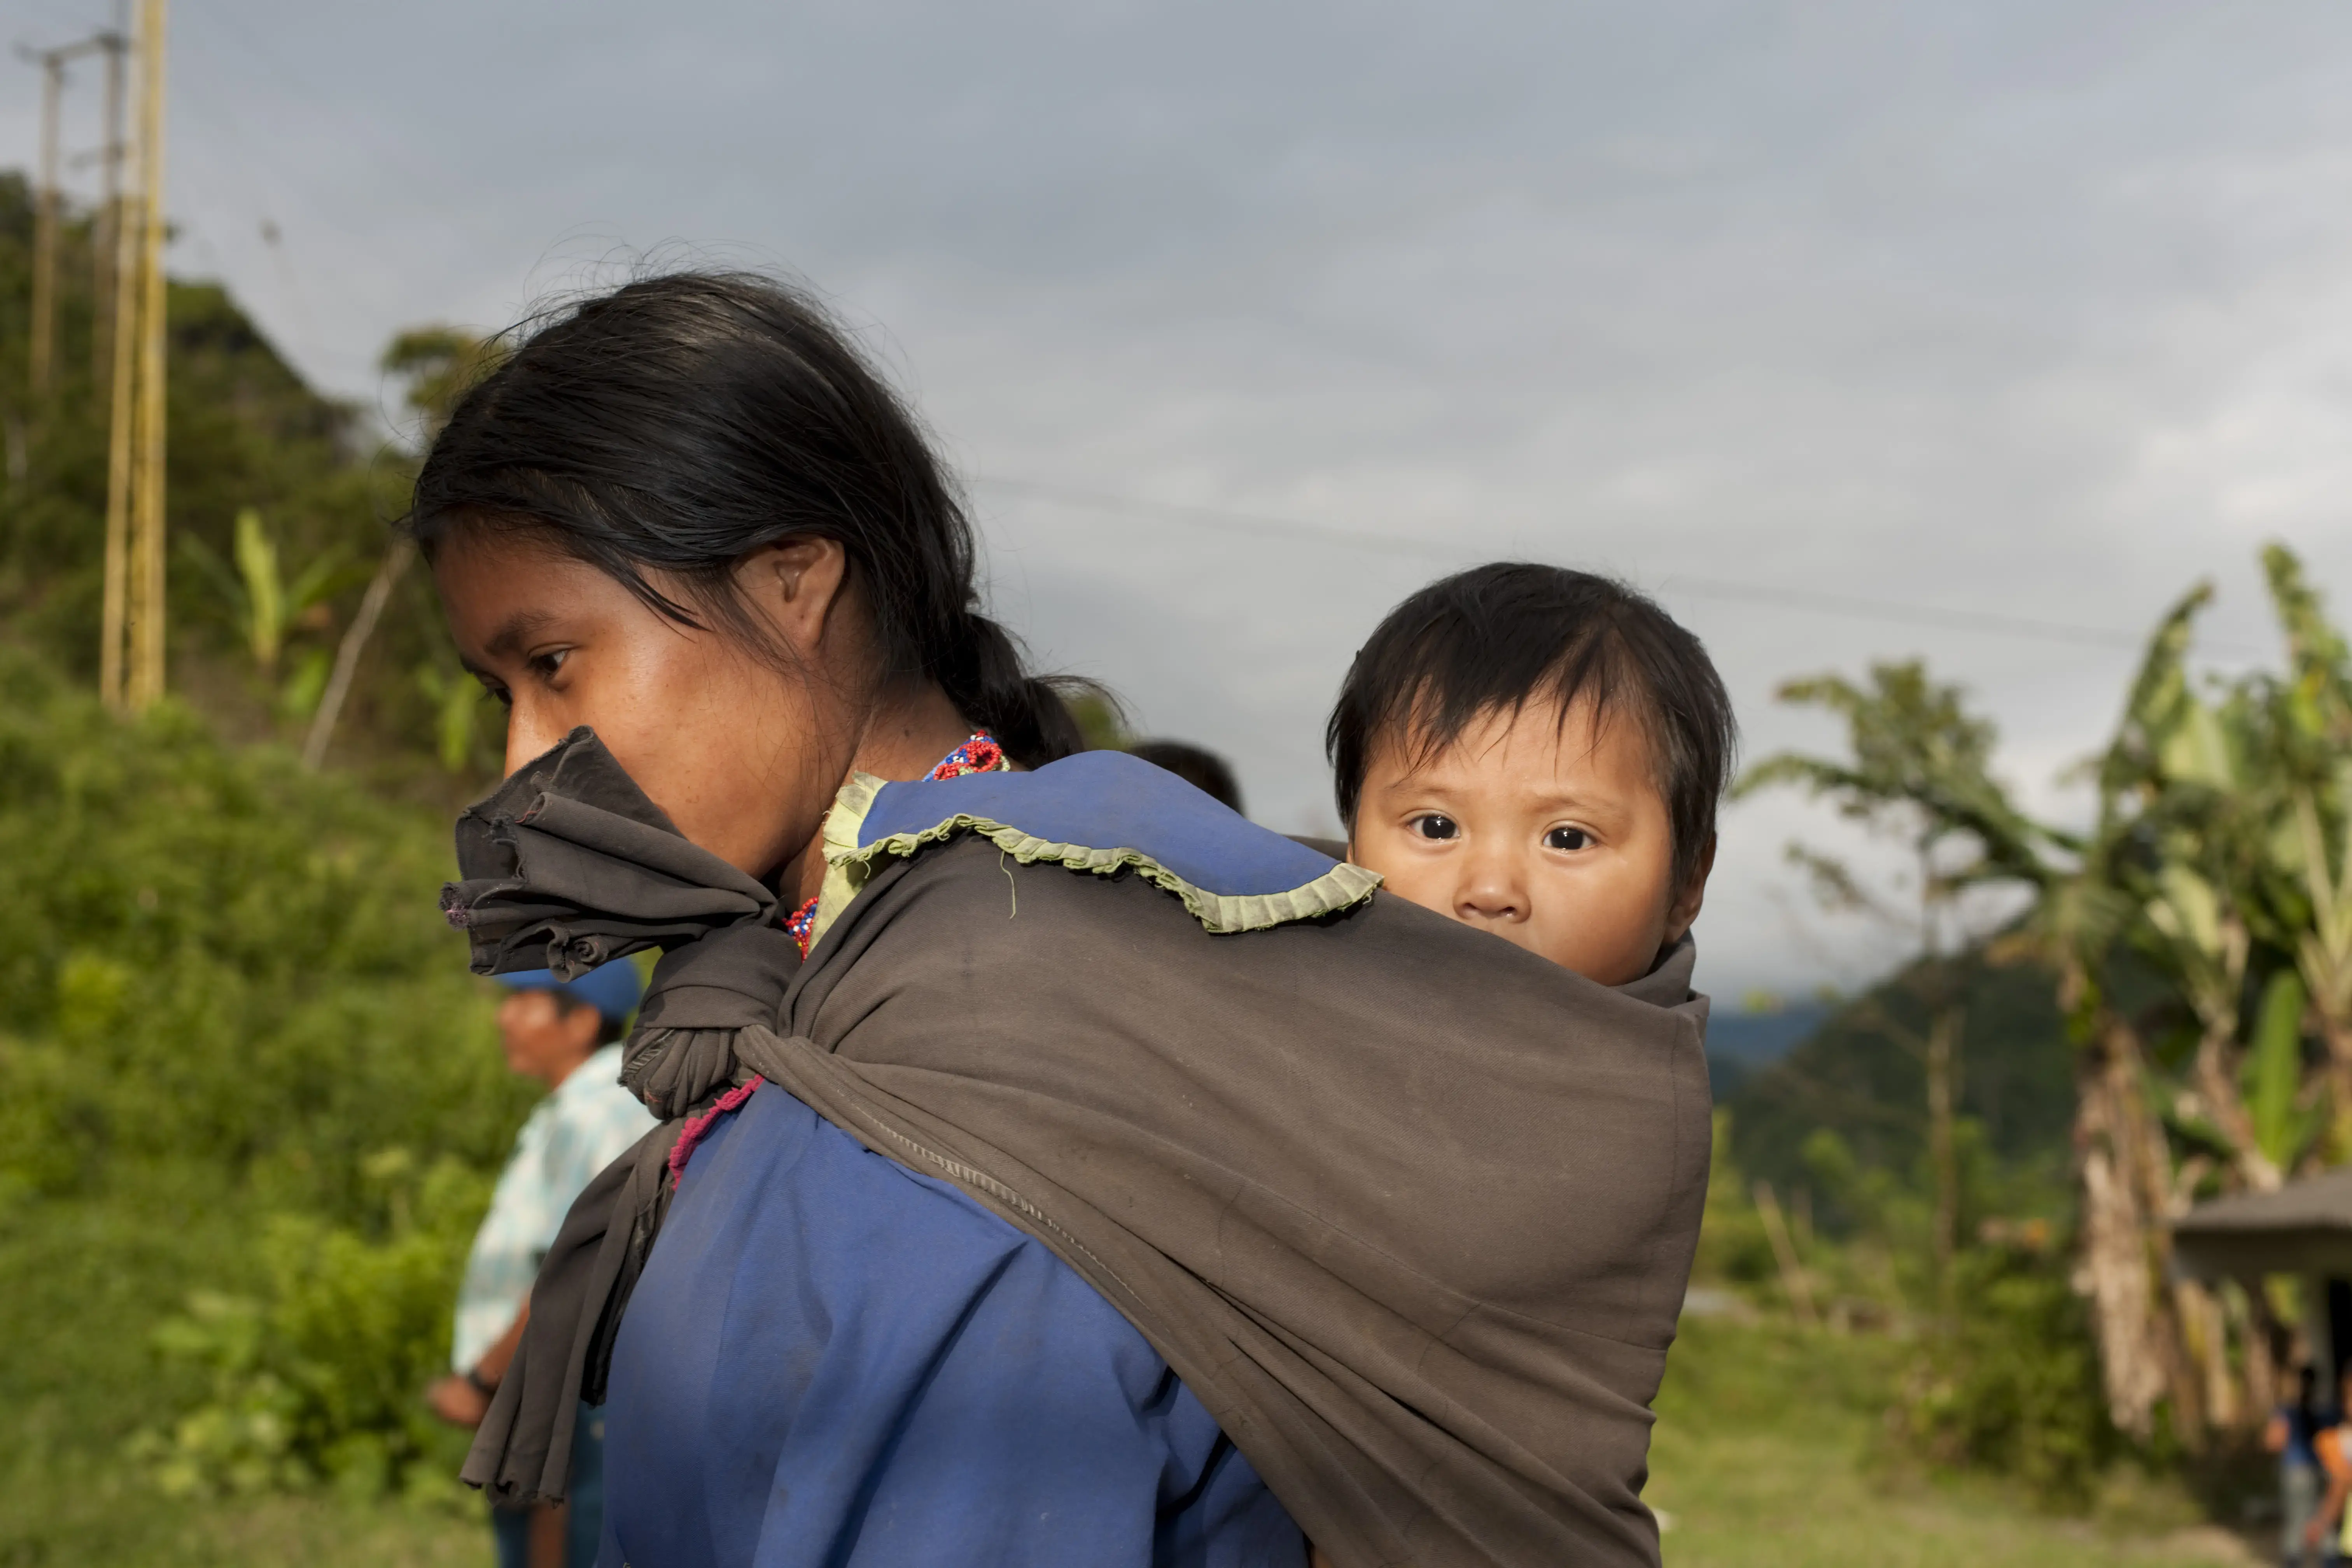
2035,310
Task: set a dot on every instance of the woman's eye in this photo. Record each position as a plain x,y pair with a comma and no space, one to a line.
1566,838
1432,825
546,664
498,693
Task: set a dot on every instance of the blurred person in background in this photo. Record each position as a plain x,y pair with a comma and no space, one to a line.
1204,770
2292,1435
2324,1533
567,1036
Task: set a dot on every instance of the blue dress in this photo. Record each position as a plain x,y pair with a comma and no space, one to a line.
832,1360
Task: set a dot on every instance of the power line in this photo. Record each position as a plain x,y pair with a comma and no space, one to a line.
1987,621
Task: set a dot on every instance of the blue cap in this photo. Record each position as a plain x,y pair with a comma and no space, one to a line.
611,988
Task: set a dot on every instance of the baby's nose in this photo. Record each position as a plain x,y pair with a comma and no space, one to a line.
1490,894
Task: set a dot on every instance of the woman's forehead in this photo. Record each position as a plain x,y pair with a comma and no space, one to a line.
500,588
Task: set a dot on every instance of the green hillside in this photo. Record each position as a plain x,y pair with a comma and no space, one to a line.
1853,1076
244,432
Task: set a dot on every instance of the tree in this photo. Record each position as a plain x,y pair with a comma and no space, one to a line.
1919,771
441,365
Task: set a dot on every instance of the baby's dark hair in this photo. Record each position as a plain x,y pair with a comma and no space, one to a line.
1497,637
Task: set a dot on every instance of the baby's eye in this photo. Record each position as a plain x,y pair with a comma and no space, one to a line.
1431,825
1566,838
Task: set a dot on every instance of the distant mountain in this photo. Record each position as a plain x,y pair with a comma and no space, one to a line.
1850,1075
1741,1044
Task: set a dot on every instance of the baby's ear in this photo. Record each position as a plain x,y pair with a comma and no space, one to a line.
1686,907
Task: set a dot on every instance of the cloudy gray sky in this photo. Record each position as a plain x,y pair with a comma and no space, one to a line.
2001,309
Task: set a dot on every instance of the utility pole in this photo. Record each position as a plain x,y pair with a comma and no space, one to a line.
131,628
44,230
116,42
143,680
115,611
48,199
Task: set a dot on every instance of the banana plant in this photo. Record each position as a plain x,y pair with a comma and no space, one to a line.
2218,861
2323,952
269,602
263,604
2285,1115
2204,944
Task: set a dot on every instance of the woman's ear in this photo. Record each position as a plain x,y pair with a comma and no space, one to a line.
1684,908
796,583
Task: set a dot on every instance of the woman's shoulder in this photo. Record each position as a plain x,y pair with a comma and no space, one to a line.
1108,812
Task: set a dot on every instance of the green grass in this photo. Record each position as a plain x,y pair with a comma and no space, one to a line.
106,1515
1772,1450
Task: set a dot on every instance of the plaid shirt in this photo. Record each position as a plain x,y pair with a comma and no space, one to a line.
586,1125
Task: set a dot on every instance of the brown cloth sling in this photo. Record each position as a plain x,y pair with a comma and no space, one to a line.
1410,1209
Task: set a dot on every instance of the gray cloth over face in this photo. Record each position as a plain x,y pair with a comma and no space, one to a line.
1410,1209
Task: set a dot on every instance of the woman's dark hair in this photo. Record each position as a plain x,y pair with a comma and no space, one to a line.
680,421
1497,637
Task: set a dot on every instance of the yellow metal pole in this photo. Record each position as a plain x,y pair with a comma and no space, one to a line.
44,232
144,683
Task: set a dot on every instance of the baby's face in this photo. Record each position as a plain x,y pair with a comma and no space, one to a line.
1546,834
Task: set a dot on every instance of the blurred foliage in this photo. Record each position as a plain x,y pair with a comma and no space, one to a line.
316,1377
441,365
248,1092
1100,719
2014,1389
1921,768
218,965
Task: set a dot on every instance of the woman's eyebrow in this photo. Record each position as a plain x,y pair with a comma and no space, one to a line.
514,631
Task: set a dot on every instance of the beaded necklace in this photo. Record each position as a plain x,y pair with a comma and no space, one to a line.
980,755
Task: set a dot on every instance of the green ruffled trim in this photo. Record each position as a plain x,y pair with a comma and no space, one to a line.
843,877
848,864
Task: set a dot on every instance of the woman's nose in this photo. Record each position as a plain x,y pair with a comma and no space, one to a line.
530,732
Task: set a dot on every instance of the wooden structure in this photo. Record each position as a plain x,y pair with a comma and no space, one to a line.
2304,1229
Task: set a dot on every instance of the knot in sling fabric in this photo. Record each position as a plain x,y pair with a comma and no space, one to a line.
1408,1208
568,865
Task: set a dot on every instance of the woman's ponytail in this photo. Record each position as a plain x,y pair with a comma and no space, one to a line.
987,679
